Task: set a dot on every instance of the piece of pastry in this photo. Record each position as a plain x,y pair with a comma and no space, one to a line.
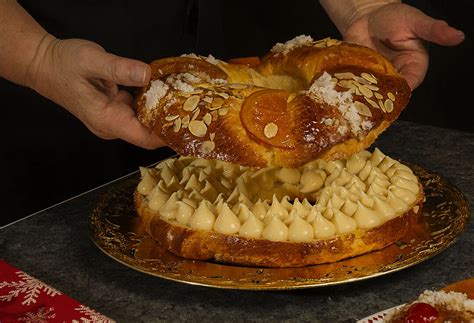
304,100
318,213
452,304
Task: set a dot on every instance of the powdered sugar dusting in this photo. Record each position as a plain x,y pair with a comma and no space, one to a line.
453,301
298,41
155,93
323,89
191,55
211,59
182,81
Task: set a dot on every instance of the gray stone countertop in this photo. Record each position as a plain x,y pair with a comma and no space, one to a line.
54,246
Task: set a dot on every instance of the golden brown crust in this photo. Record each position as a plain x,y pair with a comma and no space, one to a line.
207,245
307,125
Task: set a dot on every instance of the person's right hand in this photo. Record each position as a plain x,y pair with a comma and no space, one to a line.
82,77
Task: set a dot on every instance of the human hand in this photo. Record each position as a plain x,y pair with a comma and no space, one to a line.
82,77
398,31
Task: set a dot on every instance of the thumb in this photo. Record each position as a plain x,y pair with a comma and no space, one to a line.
433,30
119,70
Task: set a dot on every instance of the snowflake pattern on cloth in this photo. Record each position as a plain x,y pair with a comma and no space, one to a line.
26,299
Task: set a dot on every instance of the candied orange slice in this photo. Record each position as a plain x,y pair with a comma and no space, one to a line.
247,61
265,116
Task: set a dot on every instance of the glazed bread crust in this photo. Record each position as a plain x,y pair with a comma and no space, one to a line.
285,110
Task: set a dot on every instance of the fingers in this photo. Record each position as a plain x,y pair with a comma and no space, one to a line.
116,69
126,126
432,30
413,75
412,66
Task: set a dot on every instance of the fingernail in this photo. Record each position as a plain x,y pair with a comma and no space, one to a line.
138,74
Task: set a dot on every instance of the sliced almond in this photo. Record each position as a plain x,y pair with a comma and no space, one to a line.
360,80
177,125
372,103
344,75
270,130
223,111
196,114
197,91
185,120
365,91
320,45
369,77
207,118
391,96
214,115
388,104
378,95
207,99
167,125
217,103
372,87
191,103
346,84
171,117
212,135
382,106
223,95
332,42
197,128
208,146
238,86
362,109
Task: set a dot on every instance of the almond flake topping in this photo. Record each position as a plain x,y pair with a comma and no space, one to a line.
362,109
207,118
344,75
171,117
197,128
270,130
388,104
365,91
177,125
208,146
369,77
191,103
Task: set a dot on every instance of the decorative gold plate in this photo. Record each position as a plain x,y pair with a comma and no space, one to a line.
117,231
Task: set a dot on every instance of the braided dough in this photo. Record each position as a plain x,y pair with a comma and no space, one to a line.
304,100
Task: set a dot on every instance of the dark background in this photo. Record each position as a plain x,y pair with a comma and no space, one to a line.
47,155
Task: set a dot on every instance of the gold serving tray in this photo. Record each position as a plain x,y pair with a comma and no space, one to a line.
118,232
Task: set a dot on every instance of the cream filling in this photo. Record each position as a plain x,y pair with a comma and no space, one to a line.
316,201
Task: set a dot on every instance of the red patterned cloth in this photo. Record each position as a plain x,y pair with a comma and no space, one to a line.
26,299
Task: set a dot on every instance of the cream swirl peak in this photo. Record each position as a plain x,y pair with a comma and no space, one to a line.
316,201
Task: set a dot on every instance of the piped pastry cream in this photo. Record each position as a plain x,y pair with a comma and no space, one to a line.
317,202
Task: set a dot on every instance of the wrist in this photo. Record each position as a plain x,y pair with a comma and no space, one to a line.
344,12
35,67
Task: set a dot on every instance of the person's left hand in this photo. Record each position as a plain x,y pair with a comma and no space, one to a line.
397,31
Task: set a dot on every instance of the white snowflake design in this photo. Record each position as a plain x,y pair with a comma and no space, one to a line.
28,285
43,315
94,317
